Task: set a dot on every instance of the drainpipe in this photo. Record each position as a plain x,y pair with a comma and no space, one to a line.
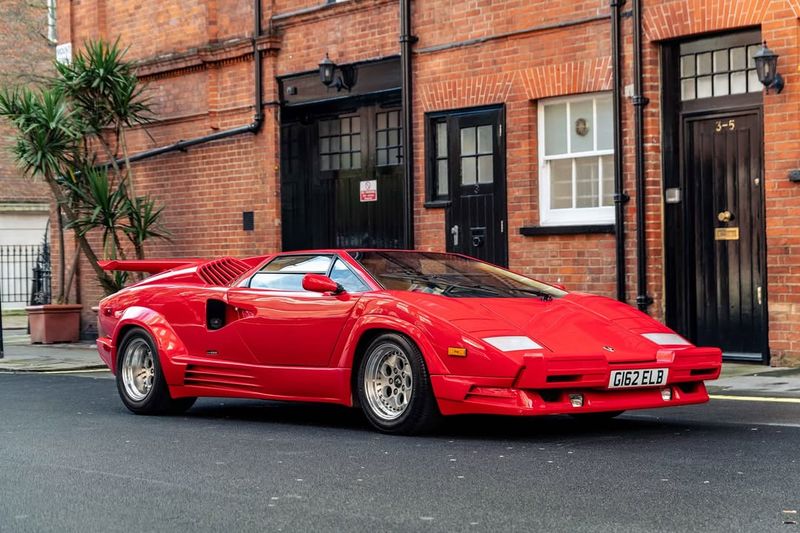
406,40
253,127
639,101
620,197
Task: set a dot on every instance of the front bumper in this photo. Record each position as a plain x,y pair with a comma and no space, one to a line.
544,383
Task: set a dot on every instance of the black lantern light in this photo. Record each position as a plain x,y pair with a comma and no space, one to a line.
767,69
327,75
326,71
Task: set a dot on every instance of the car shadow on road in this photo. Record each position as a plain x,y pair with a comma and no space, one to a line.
334,417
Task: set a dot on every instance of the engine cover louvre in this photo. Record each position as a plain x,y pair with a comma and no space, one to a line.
222,271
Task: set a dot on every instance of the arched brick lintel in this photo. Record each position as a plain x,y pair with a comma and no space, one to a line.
678,18
474,91
568,78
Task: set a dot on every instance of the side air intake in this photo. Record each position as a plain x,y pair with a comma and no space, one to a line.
222,271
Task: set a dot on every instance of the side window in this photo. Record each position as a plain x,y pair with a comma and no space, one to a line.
285,273
348,279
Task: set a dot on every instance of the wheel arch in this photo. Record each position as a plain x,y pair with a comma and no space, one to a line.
163,335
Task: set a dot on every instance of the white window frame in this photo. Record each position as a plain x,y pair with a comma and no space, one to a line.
574,216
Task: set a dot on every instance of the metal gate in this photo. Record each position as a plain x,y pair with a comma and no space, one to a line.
25,274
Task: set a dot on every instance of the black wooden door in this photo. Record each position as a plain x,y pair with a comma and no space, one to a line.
327,158
476,217
723,169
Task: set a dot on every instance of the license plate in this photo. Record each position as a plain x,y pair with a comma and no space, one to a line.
646,377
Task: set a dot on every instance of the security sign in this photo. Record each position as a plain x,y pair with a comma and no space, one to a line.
368,191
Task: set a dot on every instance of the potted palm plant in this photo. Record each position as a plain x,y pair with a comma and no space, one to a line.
71,133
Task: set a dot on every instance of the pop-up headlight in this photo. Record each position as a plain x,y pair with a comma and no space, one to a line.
666,339
512,343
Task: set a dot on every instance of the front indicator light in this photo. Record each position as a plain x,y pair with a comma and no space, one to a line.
666,394
576,400
457,351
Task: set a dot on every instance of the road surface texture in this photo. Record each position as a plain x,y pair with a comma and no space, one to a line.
72,458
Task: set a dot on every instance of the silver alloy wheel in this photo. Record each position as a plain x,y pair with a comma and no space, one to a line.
138,369
388,383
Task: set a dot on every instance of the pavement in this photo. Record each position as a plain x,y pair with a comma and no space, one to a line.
737,379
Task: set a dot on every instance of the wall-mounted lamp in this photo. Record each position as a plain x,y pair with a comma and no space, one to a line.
327,75
767,69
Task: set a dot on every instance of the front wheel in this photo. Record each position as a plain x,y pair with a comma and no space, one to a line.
394,387
140,381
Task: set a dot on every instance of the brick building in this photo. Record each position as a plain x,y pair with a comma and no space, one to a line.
28,49
518,149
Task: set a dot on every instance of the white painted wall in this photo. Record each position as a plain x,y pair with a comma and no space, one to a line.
20,224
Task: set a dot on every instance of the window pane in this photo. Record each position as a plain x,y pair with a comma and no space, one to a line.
468,141
561,184
687,66
738,59
393,158
582,127
751,51
394,119
346,278
721,85
382,157
334,125
687,89
605,124
381,121
355,124
485,139
383,139
485,169
325,162
356,159
441,177
441,139
587,182
704,63
753,85
334,162
738,82
468,171
346,143
704,87
355,142
335,144
555,129
608,179
720,61
346,161
394,137
345,125
300,264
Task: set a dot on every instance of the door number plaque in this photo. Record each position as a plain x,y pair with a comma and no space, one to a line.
726,234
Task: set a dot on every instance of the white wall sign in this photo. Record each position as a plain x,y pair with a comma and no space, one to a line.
64,53
368,191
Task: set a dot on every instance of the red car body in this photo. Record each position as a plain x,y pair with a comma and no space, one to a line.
302,345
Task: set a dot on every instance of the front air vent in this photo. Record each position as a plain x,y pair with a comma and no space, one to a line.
222,271
209,376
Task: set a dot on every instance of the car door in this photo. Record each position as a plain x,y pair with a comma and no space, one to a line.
284,325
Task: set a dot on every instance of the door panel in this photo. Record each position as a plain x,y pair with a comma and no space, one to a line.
288,328
476,217
723,169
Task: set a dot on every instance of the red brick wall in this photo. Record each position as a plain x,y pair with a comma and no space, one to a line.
26,58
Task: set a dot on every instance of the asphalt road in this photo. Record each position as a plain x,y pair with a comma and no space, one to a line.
73,459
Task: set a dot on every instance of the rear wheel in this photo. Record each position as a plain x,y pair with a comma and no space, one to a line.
394,388
140,381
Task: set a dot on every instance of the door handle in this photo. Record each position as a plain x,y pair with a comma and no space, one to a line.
454,233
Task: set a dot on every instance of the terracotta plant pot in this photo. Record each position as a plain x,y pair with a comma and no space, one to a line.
54,323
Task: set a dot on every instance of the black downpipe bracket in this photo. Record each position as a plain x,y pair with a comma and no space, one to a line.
253,127
406,40
620,198
643,301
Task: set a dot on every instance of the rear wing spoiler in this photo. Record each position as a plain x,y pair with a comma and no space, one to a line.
152,266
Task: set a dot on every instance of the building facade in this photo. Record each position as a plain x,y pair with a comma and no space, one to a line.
628,150
28,45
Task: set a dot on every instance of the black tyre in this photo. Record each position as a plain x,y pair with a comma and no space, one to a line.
140,381
394,388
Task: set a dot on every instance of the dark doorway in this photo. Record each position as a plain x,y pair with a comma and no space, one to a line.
714,212
342,177
475,163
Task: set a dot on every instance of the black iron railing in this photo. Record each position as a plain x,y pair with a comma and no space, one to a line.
25,275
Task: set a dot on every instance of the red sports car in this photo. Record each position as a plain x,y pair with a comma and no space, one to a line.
408,336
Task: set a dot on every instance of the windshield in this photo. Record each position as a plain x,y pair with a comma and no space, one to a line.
449,275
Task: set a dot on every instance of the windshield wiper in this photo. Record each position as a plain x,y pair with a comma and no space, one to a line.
436,280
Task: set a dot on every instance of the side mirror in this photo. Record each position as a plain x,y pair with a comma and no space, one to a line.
320,283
